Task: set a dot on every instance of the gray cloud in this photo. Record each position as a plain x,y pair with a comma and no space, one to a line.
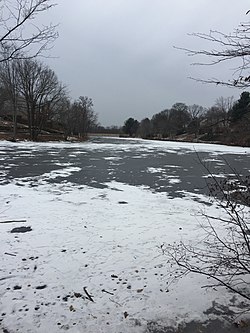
120,52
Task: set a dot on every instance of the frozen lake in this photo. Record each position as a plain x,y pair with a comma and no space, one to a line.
170,167
98,213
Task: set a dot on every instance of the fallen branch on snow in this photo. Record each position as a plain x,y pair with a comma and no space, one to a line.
13,221
108,292
10,254
88,295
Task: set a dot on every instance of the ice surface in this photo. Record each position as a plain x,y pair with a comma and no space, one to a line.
107,240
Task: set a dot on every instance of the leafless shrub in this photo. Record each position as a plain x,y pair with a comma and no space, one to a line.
222,253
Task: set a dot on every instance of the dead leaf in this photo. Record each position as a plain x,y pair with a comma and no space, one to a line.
71,308
125,314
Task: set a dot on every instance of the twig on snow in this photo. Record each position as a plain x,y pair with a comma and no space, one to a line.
88,295
108,292
10,254
114,302
13,221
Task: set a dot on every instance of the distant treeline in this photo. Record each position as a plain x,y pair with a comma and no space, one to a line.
227,121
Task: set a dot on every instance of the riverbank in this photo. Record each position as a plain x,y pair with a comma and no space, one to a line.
6,133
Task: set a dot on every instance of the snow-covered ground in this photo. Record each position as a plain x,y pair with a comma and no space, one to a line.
91,260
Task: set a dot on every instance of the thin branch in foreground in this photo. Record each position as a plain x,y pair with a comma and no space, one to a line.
225,47
13,221
222,253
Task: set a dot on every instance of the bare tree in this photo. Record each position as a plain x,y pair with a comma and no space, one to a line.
222,253
215,116
227,47
41,90
19,35
195,111
160,124
225,104
179,118
3,98
79,117
171,122
145,128
62,115
8,80
131,126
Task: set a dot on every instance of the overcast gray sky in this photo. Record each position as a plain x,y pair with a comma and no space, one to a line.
120,53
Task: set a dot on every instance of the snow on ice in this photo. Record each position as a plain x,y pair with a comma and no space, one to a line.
91,260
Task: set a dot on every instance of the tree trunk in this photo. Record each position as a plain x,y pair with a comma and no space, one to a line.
14,120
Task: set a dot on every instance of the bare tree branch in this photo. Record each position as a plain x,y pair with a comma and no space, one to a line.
226,47
20,37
